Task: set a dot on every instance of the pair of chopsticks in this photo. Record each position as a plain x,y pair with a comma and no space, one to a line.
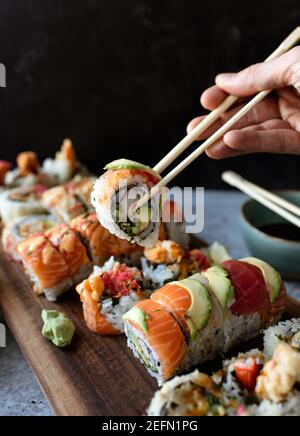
279,205
286,45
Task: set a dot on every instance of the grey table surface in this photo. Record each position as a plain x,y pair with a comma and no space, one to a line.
20,393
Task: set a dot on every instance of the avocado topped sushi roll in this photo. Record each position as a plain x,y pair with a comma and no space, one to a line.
222,307
115,194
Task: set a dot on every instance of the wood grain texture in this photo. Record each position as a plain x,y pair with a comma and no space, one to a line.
96,375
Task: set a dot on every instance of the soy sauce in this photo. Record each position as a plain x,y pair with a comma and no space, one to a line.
282,230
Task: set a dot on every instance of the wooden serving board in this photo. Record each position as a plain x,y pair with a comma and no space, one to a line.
95,375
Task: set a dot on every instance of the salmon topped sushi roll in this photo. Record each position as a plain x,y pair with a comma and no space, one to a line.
156,339
45,266
55,261
100,243
108,294
72,250
22,228
115,195
69,201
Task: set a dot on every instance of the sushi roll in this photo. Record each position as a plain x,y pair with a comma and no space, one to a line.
285,331
168,261
247,385
162,263
156,339
108,294
4,168
100,243
73,251
54,263
277,385
221,307
69,201
19,202
63,167
20,229
27,173
114,196
193,394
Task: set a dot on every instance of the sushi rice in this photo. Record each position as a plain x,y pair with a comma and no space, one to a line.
286,331
113,194
21,228
20,202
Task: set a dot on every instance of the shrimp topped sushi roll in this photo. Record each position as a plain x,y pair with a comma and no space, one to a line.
20,202
27,173
19,230
108,294
55,261
114,196
100,243
70,200
63,167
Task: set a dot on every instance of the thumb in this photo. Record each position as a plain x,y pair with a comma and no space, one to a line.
278,73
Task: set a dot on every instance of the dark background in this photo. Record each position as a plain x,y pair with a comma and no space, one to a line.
123,77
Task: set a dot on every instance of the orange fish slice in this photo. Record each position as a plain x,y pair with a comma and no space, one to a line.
43,260
95,321
69,245
176,299
163,335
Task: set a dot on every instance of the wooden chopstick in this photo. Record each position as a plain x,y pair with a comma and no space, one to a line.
232,178
213,116
264,197
286,45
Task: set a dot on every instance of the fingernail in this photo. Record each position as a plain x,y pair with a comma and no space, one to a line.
225,78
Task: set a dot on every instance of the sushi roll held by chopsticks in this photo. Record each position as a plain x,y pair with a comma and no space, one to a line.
115,194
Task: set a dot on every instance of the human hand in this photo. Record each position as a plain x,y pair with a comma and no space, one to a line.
273,126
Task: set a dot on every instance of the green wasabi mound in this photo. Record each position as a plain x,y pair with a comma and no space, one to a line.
57,328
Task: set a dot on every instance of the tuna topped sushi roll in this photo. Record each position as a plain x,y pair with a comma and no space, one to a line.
55,261
221,307
20,202
20,229
69,201
100,243
115,194
108,294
